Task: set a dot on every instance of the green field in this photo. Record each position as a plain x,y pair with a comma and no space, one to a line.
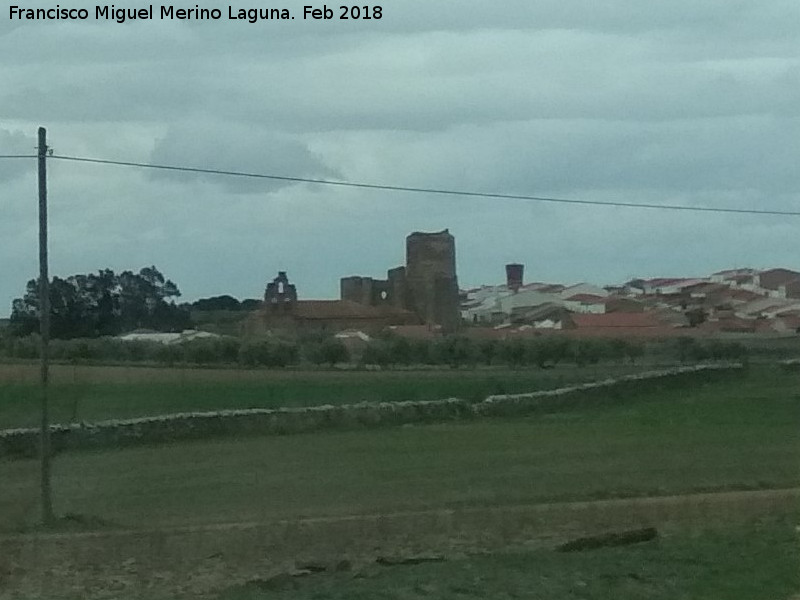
748,563
741,433
97,393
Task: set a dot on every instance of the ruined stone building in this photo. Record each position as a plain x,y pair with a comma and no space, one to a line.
280,294
423,292
282,312
426,286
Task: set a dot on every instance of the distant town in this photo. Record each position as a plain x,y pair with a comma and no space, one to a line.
422,299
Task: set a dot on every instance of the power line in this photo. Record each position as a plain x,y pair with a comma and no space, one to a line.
18,156
439,191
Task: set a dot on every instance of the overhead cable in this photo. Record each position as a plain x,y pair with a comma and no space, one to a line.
438,191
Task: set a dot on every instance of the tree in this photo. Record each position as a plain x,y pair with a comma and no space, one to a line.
377,352
689,349
617,349
634,351
455,351
250,304
558,349
330,351
588,352
102,304
488,350
224,302
268,353
513,352
400,350
696,316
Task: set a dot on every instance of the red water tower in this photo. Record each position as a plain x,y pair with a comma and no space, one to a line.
514,273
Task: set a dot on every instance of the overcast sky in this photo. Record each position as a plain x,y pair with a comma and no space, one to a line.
679,102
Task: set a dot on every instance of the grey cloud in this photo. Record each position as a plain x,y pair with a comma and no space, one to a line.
496,77
226,147
16,143
581,157
570,63
717,19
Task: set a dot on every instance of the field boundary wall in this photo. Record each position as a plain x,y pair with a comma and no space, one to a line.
23,443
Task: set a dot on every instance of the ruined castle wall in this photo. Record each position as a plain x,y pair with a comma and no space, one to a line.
381,293
398,288
366,290
445,303
357,289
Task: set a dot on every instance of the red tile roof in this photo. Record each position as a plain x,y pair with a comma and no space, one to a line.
660,331
341,309
729,325
616,319
742,295
791,321
740,278
707,288
417,332
774,278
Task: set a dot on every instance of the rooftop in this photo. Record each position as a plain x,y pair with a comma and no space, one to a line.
616,319
343,309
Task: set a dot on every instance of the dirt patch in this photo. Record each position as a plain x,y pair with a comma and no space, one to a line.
189,562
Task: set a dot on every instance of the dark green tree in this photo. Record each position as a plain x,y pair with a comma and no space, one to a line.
102,304
224,302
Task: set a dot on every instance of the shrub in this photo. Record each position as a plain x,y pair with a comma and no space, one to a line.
377,352
513,352
268,353
588,352
221,350
634,351
488,351
688,349
330,351
401,351
169,354
21,347
455,351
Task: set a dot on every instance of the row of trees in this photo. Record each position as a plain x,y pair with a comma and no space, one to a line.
225,303
456,351
388,351
216,351
103,304
691,350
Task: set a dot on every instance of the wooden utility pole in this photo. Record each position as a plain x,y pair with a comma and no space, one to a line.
44,331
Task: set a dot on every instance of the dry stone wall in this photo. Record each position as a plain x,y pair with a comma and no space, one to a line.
23,443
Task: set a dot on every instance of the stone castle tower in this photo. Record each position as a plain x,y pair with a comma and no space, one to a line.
431,282
427,285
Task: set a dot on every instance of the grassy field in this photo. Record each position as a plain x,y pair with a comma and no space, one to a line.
752,563
86,393
736,434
